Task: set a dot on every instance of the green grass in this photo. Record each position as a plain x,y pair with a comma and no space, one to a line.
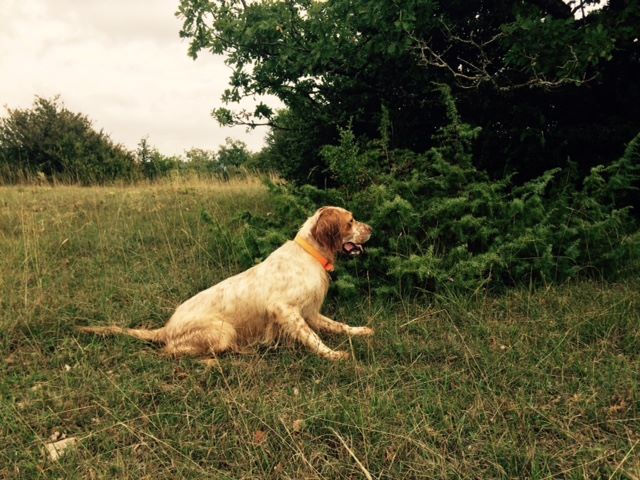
533,384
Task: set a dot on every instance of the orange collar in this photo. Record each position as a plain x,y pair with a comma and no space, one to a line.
326,264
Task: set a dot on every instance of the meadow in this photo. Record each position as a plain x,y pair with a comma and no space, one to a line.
535,383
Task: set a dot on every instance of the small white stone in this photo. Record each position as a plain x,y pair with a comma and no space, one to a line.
56,449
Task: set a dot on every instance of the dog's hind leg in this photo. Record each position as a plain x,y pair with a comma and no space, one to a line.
201,338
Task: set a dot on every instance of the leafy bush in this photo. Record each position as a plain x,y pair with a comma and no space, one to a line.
50,141
440,222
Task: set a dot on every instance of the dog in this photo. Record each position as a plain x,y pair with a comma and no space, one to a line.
278,298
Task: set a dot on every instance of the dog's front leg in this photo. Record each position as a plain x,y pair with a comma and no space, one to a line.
320,322
291,323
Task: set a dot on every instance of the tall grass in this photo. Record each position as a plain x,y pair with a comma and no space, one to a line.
532,384
184,174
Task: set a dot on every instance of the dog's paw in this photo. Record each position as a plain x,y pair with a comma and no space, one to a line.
337,356
362,331
210,362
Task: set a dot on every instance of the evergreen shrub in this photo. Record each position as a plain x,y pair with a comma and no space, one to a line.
441,223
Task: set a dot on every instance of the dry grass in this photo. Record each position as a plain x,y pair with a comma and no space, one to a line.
537,384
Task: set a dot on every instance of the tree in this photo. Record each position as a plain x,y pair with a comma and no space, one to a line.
233,153
292,150
528,72
227,159
51,140
153,163
201,160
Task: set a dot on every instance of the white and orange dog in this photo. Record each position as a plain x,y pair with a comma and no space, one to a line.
280,297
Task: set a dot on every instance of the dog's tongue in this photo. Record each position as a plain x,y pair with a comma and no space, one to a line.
352,248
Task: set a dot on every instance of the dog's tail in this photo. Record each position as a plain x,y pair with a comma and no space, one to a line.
157,335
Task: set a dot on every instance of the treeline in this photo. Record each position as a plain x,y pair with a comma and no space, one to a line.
48,142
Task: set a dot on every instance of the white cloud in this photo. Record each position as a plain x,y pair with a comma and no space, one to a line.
121,63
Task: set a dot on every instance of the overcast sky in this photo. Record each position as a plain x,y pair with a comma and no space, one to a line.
121,63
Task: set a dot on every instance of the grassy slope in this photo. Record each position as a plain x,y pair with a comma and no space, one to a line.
528,385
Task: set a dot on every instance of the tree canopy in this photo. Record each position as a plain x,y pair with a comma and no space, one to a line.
547,82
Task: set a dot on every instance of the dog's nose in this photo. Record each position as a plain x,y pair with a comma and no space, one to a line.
368,228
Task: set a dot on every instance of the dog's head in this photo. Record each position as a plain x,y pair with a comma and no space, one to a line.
336,230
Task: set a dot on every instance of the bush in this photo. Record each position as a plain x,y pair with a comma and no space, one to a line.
49,141
439,222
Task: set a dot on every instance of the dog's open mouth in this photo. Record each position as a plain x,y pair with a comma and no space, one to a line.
351,248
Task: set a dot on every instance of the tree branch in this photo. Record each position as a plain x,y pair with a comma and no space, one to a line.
472,74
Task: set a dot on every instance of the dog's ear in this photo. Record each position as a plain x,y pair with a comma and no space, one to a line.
327,231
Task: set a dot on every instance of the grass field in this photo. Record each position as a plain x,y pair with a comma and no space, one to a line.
532,384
